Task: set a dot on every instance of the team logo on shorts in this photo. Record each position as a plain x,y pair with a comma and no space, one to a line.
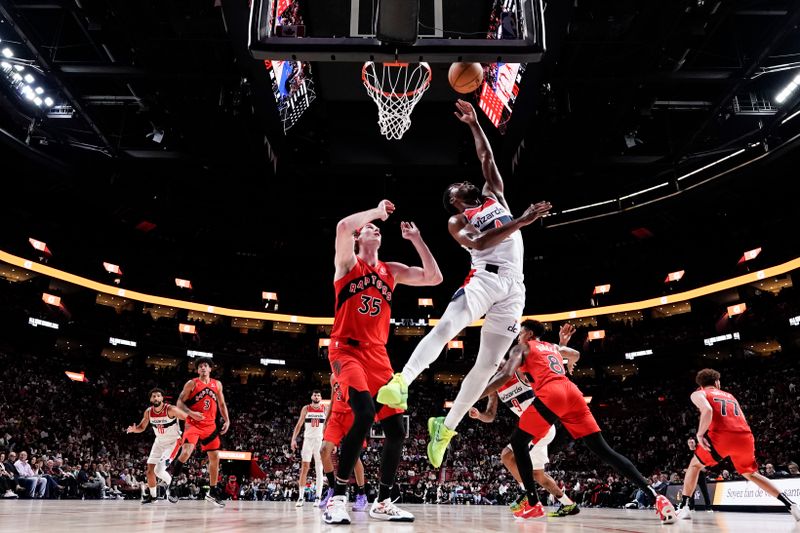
513,328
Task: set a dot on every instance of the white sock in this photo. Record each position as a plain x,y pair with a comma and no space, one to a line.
161,473
153,492
565,500
456,317
493,347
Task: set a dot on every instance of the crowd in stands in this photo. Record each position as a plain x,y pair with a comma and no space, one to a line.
66,439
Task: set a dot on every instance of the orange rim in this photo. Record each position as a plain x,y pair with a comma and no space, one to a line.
371,87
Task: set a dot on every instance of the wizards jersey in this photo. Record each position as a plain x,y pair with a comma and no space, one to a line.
164,426
505,254
516,395
364,303
315,420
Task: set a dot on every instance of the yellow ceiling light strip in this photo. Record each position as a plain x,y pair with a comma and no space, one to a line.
663,300
327,321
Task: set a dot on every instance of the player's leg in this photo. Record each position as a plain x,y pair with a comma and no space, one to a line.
190,438
703,486
742,452
214,494
301,481
689,485
507,457
394,432
469,303
318,467
326,458
520,439
598,446
361,480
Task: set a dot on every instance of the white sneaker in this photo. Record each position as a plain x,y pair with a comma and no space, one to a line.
795,510
387,510
336,511
684,513
299,502
10,494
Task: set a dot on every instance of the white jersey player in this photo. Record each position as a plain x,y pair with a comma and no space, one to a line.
163,418
481,222
312,419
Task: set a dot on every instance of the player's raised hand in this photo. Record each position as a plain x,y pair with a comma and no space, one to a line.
225,426
473,412
386,208
565,333
409,230
535,212
465,112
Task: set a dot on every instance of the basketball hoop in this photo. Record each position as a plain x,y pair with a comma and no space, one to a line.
396,88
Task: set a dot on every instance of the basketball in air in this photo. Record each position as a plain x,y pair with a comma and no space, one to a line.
465,77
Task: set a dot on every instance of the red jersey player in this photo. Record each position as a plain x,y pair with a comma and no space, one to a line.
723,432
204,396
340,418
364,288
559,399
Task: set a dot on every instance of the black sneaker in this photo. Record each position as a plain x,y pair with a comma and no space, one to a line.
213,497
147,498
565,510
172,491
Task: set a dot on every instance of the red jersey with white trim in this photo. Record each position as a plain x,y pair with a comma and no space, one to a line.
338,403
543,364
364,303
727,415
204,399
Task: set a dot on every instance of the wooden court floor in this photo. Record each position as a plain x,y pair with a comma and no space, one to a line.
197,516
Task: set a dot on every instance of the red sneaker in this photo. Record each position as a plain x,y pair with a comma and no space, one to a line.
530,511
665,510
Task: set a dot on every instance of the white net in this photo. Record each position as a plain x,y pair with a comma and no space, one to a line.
395,88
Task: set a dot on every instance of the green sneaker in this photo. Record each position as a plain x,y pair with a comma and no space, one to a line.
440,439
519,504
565,510
395,393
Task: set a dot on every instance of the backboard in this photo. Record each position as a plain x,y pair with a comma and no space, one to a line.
486,31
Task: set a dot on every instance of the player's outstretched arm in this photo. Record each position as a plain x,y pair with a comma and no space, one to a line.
466,234
345,256
180,414
493,181
297,426
706,414
489,414
141,426
427,275
223,409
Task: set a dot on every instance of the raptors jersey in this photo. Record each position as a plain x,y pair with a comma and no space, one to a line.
315,420
508,253
364,303
164,426
516,395
543,365
203,399
727,416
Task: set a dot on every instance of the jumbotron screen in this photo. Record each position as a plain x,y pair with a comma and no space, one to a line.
501,81
291,80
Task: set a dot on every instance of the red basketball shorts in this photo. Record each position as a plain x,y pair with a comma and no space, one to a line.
364,368
558,401
208,436
740,447
337,426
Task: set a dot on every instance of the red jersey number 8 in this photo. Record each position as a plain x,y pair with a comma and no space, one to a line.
556,364
206,404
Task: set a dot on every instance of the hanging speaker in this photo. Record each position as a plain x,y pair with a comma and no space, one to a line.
398,21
